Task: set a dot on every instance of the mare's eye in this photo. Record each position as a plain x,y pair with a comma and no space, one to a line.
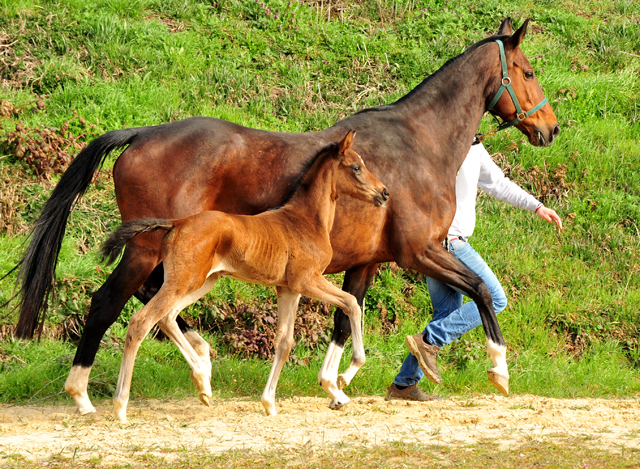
356,169
529,74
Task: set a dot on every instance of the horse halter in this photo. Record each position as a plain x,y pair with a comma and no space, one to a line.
506,84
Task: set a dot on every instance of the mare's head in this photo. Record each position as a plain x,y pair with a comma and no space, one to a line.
541,127
354,178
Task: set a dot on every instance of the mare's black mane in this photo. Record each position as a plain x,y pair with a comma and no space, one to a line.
386,107
434,75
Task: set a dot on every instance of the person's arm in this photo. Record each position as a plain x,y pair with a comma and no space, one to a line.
493,181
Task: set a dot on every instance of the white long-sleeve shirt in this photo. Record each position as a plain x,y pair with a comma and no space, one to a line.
479,171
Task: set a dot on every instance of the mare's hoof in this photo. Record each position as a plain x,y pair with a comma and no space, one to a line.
338,405
501,382
205,399
341,383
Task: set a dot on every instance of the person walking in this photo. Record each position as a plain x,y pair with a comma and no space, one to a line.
451,318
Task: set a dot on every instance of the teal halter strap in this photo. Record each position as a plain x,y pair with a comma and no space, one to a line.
506,84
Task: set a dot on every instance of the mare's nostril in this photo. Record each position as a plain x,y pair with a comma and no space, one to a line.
385,194
556,130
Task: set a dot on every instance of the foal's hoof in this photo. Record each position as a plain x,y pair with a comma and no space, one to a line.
86,410
269,408
206,399
336,405
341,383
501,382
120,411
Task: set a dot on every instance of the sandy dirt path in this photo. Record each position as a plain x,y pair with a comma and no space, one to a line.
163,427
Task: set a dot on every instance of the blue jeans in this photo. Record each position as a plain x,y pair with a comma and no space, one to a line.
451,318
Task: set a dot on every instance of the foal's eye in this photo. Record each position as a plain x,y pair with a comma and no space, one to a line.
529,74
356,169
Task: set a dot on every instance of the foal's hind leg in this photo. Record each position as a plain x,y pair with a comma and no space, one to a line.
191,345
166,304
321,289
106,305
151,286
287,308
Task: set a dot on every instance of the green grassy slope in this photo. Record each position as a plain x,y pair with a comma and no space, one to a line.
574,314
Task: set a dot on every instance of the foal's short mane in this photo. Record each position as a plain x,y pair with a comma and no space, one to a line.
305,169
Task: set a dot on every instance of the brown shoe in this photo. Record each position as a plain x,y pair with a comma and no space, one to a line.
426,355
412,393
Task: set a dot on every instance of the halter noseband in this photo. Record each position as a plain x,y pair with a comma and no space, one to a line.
506,84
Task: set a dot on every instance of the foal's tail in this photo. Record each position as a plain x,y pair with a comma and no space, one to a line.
37,268
112,247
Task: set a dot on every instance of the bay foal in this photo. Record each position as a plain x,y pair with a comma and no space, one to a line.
287,247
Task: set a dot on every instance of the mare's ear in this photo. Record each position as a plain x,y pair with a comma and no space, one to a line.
518,36
347,141
505,28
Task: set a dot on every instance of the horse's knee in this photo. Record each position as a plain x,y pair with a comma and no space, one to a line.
353,306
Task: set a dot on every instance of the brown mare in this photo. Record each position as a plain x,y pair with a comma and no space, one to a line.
415,145
288,248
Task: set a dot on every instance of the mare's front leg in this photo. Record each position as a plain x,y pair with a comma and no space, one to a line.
356,282
437,263
106,305
321,289
287,308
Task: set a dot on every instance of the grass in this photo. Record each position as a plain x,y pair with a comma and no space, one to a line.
574,296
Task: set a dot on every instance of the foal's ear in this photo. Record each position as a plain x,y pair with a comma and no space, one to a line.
347,141
505,28
518,36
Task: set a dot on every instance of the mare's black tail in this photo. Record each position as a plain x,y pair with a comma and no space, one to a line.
37,268
112,247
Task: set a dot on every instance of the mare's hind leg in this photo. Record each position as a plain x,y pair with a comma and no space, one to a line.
321,289
165,305
106,305
287,308
149,289
356,282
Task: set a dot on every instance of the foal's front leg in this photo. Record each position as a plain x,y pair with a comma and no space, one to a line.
287,308
321,289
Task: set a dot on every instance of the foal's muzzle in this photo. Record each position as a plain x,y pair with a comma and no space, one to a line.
381,198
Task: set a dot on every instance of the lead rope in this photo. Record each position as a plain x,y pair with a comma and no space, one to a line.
480,138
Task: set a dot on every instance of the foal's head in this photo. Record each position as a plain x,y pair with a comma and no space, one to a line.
354,178
541,127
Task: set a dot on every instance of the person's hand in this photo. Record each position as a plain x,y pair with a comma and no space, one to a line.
550,215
